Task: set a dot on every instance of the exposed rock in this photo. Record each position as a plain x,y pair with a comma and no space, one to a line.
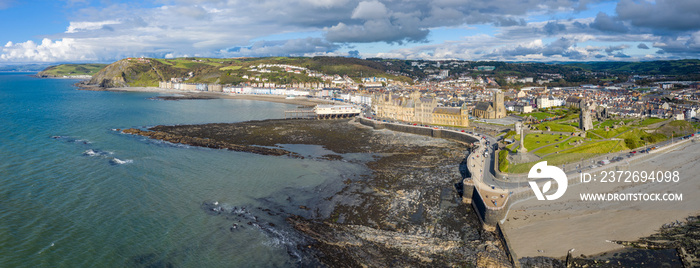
209,143
406,214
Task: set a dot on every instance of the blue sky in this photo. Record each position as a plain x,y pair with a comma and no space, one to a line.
507,30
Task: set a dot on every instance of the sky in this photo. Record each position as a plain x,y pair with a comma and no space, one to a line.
479,30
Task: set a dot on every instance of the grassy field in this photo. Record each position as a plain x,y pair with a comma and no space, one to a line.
71,70
612,132
574,155
541,115
555,127
610,123
232,67
231,71
568,117
649,121
534,141
558,147
628,138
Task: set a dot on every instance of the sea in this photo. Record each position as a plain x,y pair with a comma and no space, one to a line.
76,192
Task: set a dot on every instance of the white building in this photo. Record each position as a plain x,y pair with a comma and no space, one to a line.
690,113
546,102
336,111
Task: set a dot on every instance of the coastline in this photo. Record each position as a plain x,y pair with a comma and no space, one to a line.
405,213
302,101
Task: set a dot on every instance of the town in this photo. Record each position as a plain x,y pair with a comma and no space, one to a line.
457,100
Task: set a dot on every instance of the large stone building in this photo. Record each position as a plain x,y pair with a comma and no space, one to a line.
419,110
409,109
491,110
450,116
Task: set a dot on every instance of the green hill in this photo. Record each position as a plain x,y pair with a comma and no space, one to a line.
148,72
674,67
68,70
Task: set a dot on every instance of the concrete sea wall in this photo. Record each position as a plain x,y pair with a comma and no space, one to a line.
425,131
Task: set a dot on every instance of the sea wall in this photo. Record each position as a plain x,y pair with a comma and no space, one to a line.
489,217
506,245
425,131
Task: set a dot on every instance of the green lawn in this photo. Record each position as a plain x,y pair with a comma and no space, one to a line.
534,140
649,121
611,132
540,115
573,155
608,123
558,147
555,127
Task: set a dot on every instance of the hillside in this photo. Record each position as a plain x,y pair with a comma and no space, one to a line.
135,73
676,67
68,70
148,72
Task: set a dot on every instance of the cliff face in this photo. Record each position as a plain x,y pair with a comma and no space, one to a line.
133,73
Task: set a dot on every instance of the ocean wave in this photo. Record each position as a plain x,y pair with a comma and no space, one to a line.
96,152
70,139
117,161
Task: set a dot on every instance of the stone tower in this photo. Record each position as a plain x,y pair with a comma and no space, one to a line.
520,129
585,121
499,105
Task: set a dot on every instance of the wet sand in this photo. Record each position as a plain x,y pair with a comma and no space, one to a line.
551,228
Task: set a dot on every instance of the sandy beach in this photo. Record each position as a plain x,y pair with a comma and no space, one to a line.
551,228
219,95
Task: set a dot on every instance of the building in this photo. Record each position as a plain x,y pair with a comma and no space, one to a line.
417,109
336,111
491,110
690,113
410,109
450,116
585,121
573,101
522,108
546,102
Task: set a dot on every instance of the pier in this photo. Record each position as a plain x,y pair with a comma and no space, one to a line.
300,114
324,112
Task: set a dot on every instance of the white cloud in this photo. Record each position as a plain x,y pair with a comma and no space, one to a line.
61,50
370,10
79,26
212,27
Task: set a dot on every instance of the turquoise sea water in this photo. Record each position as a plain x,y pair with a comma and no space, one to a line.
76,193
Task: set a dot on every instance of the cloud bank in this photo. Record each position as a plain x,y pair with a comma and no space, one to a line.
232,28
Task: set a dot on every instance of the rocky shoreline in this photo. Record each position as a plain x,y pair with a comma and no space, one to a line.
209,143
406,213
